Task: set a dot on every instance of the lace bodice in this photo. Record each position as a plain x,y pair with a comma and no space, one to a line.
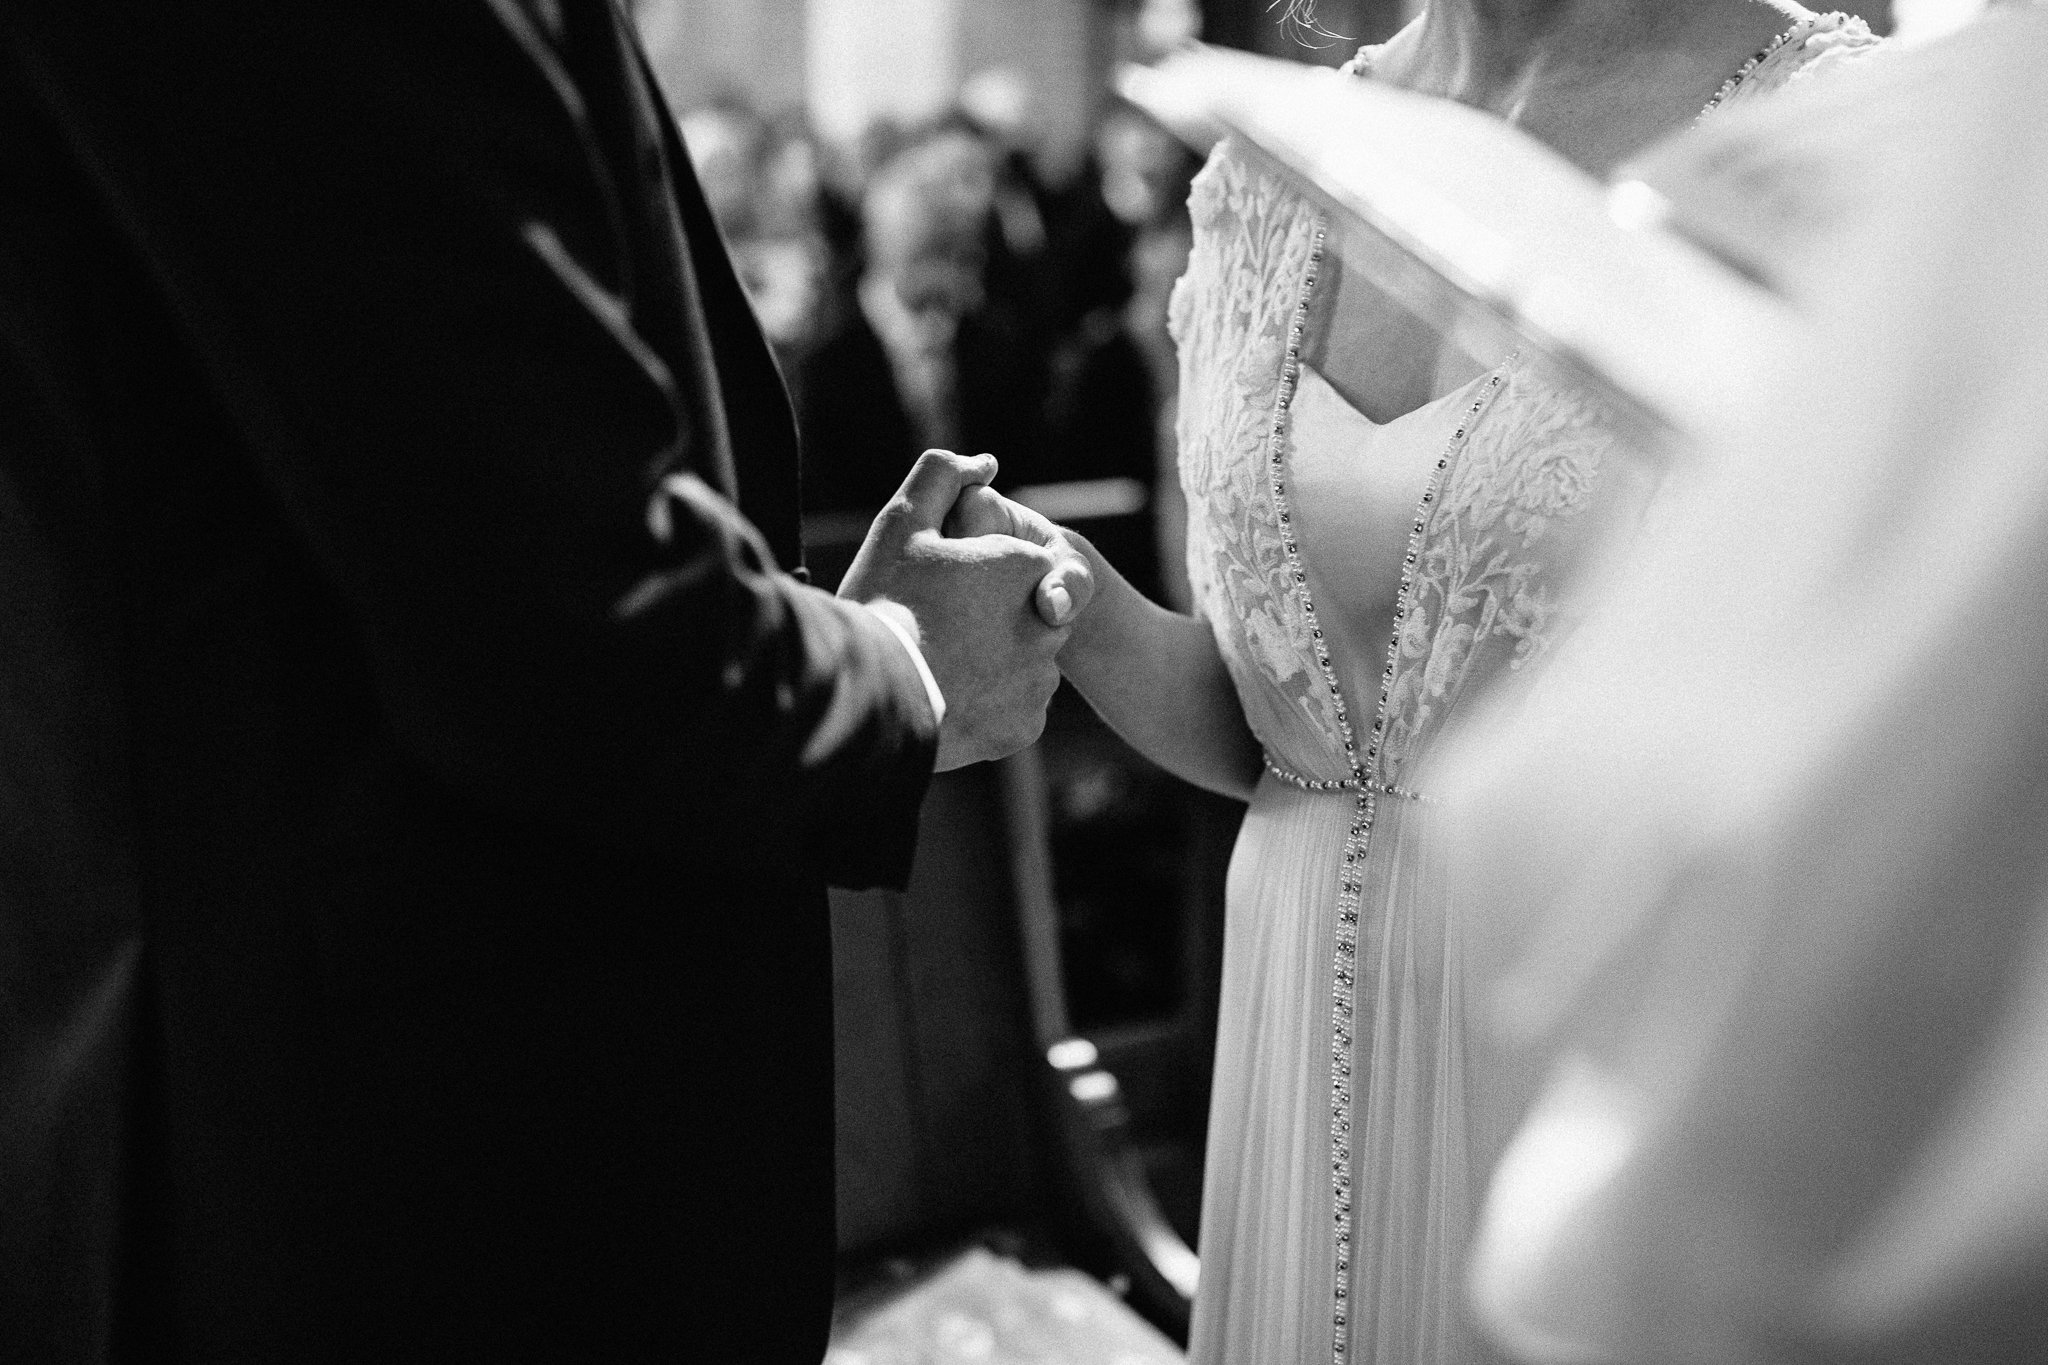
1498,537
1229,316
1485,590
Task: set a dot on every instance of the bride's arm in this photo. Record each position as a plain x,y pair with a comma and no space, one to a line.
1158,678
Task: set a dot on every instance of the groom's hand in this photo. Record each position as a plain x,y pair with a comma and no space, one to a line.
1064,593
973,604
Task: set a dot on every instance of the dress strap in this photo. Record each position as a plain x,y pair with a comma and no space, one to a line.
1789,43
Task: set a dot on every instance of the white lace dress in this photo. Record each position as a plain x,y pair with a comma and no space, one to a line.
1355,1113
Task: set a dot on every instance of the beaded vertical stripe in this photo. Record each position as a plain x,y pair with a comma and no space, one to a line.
1367,785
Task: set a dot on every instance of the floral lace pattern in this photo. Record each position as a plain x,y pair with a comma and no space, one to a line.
1481,598
1487,596
1229,316
1488,593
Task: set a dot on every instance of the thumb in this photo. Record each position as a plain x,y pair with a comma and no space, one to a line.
1064,593
934,484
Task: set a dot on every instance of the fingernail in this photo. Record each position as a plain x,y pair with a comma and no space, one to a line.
1062,604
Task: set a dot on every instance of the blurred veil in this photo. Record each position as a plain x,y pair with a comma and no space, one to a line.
1760,872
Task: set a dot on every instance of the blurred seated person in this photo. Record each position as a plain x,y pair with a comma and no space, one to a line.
788,266
1134,178
1113,368
762,182
1109,412
925,358
846,169
727,142
787,280
999,108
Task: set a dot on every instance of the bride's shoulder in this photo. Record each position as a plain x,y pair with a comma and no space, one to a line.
1238,198
1815,45
1230,185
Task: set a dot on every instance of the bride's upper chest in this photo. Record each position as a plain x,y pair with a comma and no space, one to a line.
1354,485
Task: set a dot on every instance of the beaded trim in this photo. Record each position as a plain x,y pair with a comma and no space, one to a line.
1354,839
1369,790
1290,378
1357,838
1801,29
1345,784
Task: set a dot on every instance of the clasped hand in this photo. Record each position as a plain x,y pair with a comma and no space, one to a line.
989,590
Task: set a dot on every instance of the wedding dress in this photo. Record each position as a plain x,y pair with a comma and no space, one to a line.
1354,1115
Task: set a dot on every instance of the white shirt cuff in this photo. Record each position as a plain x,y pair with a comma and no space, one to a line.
924,670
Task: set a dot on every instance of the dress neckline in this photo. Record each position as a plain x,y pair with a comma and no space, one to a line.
1462,391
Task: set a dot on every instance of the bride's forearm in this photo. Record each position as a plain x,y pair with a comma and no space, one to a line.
1159,681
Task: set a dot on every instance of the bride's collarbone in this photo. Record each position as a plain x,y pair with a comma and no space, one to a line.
1378,355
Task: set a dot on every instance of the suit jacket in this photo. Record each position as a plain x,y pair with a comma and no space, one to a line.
417,779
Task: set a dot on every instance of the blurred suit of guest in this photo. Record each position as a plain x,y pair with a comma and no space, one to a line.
926,358
417,784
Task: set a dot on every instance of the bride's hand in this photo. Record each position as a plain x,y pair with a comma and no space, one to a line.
1064,593
1156,676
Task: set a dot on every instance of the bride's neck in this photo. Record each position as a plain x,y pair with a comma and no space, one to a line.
1492,53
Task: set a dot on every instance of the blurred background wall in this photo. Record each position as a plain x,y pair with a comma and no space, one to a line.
707,49
847,62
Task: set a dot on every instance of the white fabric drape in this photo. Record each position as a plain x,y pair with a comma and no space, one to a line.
1764,868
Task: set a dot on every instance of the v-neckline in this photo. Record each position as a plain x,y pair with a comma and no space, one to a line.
1464,391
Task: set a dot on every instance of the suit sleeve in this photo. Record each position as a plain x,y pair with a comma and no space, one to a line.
388,238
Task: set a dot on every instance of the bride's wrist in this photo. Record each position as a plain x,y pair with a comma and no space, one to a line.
1096,629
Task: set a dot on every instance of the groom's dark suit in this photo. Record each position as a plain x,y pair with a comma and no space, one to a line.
412,828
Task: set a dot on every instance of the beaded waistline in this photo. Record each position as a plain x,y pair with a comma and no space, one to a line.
1347,784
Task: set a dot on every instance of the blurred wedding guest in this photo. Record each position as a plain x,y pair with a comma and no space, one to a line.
1114,376
792,176
727,143
1112,371
764,179
925,358
999,107
1157,27
788,280
1055,247
1144,170
774,228
421,763
1083,266
1767,857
